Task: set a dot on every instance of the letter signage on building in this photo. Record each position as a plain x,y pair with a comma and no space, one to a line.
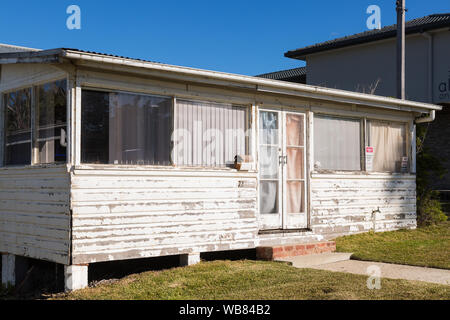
442,87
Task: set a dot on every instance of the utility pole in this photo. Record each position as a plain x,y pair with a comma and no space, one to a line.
401,49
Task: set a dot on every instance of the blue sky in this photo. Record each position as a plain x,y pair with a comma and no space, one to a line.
245,37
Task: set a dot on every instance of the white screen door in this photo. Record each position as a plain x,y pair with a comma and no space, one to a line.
282,170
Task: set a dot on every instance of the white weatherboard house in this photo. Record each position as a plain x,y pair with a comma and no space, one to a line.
108,158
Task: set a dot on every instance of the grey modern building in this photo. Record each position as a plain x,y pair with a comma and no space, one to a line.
366,62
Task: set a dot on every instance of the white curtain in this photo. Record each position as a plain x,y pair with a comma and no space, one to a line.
295,151
337,143
269,161
389,142
268,200
209,134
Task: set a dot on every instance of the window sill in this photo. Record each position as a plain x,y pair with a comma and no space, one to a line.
34,166
324,173
136,167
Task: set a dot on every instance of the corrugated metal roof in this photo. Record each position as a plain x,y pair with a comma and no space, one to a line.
7,48
108,55
434,21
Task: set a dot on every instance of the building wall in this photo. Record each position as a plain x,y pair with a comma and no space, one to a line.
34,201
35,213
344,204
441,53
357,68
132,213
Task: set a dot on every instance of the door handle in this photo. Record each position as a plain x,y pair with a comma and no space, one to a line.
282,160
285,159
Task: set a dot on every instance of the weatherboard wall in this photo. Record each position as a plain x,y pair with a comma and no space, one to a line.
35,213
128,213
345,204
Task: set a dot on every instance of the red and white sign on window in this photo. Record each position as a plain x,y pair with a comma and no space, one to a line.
370,152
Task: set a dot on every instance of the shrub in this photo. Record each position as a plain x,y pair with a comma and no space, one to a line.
429,167
429,209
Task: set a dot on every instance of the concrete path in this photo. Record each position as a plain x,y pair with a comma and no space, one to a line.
339,262
312,260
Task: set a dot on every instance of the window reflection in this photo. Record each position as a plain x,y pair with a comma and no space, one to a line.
18,127
122,128
51,115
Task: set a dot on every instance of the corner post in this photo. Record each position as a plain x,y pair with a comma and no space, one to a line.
75,277
189,259
413,134
8,269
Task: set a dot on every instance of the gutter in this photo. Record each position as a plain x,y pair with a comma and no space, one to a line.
432,115
260,84
430,118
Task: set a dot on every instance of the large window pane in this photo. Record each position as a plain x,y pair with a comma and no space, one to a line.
18,127
209,134
337,143
269,162
122,128
295,197
51,115
94,127
389,142
268,133
268,197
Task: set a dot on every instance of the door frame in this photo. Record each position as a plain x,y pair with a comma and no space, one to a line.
282,205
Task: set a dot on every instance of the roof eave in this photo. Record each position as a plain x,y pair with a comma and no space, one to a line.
44,56
261,84
226,79
301,54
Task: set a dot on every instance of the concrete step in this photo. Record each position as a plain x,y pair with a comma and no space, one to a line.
313,260
293,250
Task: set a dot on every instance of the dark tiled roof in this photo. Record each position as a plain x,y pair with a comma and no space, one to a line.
108,55
292,75
434,21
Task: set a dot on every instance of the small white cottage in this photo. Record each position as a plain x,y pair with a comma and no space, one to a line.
108,158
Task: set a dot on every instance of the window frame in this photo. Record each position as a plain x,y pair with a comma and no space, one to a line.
408,150
362,155
4,122
106,90
34,161
364,142
174,98
248,123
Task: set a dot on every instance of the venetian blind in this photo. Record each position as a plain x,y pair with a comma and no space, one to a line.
337,143
208,134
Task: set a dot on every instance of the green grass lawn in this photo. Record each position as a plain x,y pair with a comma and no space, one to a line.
245,280
428,247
